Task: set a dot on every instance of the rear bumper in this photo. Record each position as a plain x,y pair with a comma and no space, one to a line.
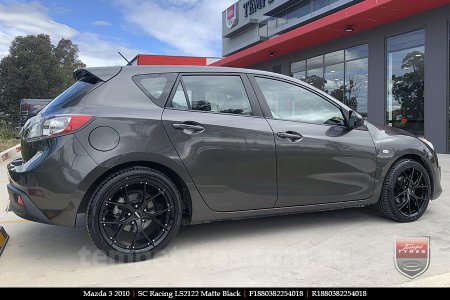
50,182
27,209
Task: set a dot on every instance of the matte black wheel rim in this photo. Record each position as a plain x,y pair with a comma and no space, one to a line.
411,192
137,215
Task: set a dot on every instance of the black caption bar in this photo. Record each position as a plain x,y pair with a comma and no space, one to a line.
231,293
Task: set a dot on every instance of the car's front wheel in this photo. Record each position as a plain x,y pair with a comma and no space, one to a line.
406,192
134,213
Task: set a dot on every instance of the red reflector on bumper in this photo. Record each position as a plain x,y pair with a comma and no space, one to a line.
19,201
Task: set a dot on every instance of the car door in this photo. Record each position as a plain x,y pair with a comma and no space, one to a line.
319,159
216,125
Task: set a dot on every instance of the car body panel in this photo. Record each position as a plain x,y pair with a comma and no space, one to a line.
58,175
392,144
329,164
232,161
51,177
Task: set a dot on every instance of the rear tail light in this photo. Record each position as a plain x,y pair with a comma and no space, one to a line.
58,125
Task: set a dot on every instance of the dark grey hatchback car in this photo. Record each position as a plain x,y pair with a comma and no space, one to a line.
142,150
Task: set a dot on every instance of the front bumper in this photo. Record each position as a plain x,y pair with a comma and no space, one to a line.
437,188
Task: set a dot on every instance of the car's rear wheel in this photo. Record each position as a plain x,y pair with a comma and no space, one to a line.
134,213
406,192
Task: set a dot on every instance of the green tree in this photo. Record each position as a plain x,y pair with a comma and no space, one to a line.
34,68
316,81
67,55
349,92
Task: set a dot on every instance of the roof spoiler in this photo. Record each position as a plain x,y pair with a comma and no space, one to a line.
101,73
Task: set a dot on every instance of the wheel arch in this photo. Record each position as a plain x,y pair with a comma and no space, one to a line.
417,158
174,176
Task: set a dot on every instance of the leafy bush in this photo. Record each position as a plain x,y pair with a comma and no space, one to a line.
6,133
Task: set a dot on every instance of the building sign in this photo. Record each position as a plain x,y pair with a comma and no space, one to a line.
231,18
251,6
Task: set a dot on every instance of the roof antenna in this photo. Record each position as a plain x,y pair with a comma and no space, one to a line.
128,62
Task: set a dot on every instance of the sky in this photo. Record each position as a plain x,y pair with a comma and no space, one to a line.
100,28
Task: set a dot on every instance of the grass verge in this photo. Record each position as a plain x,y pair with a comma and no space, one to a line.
8,143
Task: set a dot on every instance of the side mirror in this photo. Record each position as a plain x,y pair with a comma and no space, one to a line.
354,120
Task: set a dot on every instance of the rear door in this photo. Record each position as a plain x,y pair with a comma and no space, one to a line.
319,160
216,125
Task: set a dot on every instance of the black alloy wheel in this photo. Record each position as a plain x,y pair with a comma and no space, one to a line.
406,192
134,214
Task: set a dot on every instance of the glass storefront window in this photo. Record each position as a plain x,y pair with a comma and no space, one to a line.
281,19
318,4
276,69
360,51
334,81
357,83
405,81
292,14
263,31
314,72
343,74
300,75
298,70
304,8
334,74
271,25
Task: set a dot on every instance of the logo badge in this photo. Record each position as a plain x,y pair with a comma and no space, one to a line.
231,18
412,256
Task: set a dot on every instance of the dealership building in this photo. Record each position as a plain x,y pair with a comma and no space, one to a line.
388,59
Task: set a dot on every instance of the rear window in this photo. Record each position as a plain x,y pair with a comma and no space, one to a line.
73,94
156,86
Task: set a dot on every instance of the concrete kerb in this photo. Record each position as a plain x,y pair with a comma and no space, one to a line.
8,153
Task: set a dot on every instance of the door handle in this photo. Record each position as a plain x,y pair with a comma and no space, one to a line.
189,128
291,136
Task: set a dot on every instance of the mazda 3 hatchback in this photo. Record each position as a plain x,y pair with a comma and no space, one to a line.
142,150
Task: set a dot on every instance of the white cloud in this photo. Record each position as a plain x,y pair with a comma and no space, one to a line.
22,19
32,18
95,51
101,23
192,27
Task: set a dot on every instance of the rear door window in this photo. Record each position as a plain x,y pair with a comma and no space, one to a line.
213,93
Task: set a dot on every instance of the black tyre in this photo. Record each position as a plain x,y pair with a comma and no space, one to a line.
406,192
134,213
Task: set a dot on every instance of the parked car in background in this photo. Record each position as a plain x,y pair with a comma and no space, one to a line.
30,107
142,150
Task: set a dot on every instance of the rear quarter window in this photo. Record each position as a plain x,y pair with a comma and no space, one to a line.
157,87
72,95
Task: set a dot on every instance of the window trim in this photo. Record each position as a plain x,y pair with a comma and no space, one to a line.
268,113
251,96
